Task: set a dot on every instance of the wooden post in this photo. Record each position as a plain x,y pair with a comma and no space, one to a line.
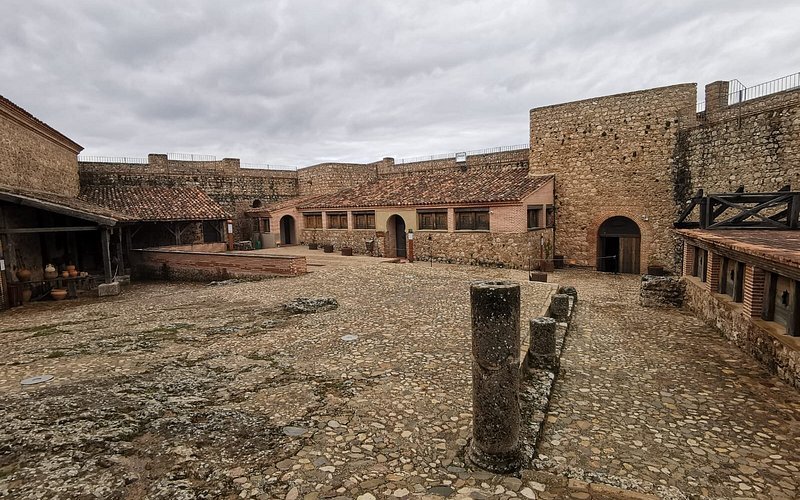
177,233
229,233
120,257
105,237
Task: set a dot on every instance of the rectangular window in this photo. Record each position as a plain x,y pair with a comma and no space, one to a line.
472,219
432,219
534,217
550,217
312,220
732,279
699,269
364,220
337,220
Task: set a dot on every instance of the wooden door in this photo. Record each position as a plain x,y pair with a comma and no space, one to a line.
629,255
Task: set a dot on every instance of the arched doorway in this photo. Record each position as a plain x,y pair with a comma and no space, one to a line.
396,236
287,230
618,246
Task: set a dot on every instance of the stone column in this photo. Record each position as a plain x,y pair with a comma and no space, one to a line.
559,307
541,353
716,96
495,442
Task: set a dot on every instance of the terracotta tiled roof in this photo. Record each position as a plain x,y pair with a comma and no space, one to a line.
75,207
476,185
265,210
151,203
773,245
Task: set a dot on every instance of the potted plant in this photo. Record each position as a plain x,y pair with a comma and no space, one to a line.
313,244
347,251
327,248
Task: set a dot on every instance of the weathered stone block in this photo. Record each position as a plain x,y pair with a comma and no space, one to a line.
108,289
559,307
661,291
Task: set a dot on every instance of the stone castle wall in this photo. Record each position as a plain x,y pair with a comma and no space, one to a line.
32,159
611,156
517,157
234,188
331,177
755,144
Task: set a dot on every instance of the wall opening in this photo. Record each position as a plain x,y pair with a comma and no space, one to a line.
619,246
288,230
396,236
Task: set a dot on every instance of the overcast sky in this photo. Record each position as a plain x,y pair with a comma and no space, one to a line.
300,82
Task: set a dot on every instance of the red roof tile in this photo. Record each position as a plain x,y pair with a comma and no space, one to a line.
152,203
41,200
453,186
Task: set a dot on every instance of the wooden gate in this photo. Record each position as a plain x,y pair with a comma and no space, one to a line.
629,247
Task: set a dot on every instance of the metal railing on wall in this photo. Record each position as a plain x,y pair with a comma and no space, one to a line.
112,159
738,93
190,157
447,156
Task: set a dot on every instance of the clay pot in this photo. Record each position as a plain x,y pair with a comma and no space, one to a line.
312,246
327,248
70,267
65,274
58,293
26,295
72,273
23,275
50,272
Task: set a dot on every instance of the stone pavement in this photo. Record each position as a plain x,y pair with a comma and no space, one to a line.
655,399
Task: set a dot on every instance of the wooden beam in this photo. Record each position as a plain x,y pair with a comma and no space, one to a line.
104,242
34,230
48,206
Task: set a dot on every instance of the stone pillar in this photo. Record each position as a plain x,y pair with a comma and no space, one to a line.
753,297
688,258
542,348
559,307
713,269
716,96
495,442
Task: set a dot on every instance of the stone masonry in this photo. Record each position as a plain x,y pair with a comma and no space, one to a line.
611,157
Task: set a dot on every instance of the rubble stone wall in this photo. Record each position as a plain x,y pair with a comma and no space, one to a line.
517,157
30,159
611,156
661,291
755,144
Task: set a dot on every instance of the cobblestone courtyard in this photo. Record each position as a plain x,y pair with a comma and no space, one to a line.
196,391
185,391
656,397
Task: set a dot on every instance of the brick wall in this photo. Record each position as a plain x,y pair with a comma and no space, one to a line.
34,157
166,263
611,156
753,296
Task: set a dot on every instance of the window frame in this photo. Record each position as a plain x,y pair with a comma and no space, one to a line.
315,215
435,214
370,219
459,212
336,216
539,209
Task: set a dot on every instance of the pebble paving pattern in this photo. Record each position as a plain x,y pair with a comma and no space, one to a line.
657,397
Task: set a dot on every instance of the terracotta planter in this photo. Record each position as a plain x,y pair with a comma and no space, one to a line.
70,267
72,273
347,251
58,293
327,248
65,274
23,275
312,246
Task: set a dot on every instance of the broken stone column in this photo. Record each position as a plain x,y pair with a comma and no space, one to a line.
559,307
495,442
541,353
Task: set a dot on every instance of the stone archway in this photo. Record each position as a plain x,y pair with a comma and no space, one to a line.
288,233
395,236
619,242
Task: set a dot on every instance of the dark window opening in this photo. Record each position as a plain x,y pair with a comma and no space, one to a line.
337,220
312,221
534,218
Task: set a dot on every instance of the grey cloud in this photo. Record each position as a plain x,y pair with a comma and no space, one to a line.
304,81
